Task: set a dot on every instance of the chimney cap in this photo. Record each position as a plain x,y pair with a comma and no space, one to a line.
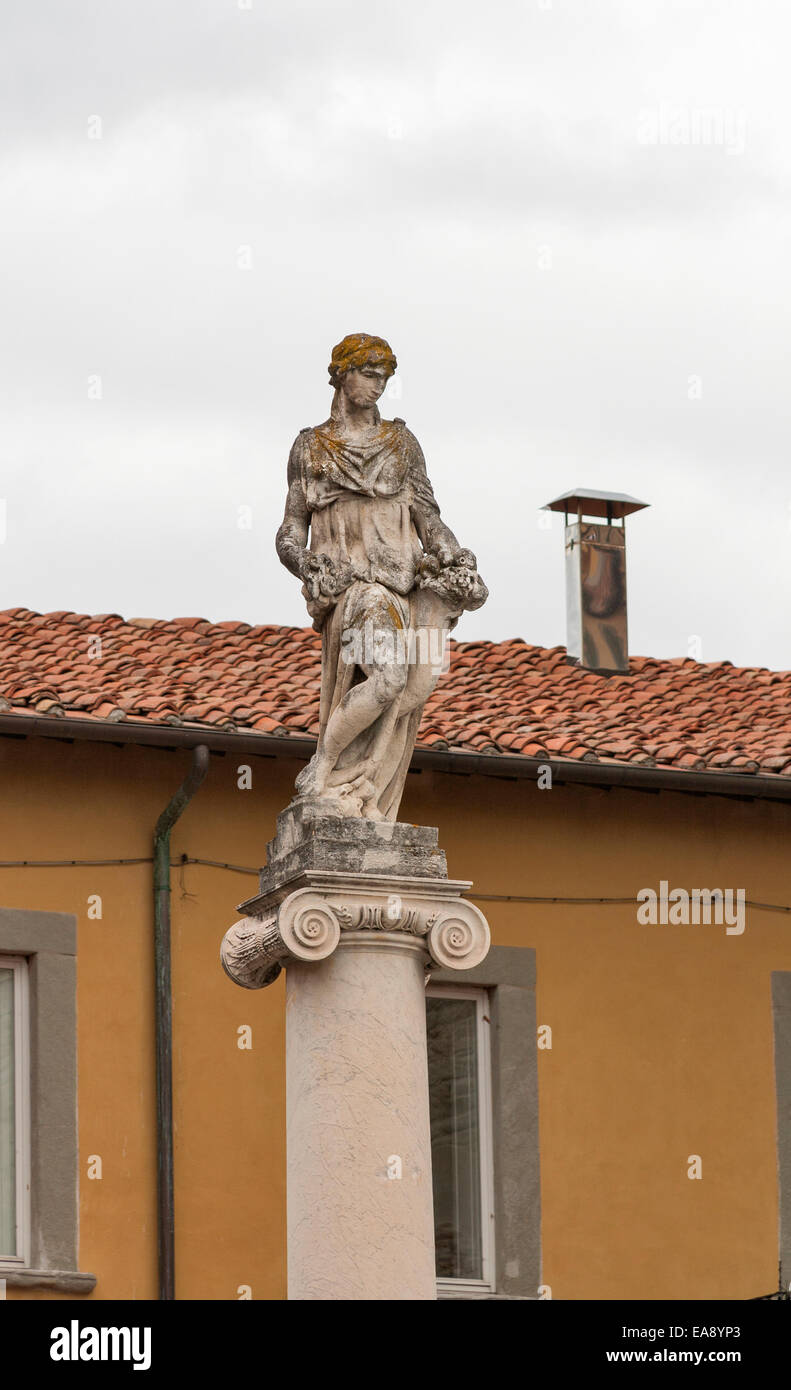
589,502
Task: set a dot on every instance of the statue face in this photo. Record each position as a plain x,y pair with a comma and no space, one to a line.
364,385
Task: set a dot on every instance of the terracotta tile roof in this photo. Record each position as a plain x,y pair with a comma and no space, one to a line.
498,697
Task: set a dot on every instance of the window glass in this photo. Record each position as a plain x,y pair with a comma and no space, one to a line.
7,1118
455,1136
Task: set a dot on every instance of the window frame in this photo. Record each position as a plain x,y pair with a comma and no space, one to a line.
48,941
509,974
480,995
19,965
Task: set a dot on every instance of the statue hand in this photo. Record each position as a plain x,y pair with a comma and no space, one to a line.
338,578
454,576
428,567
322,577
447,556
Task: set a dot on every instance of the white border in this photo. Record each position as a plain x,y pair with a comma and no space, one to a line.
486,1284
19,965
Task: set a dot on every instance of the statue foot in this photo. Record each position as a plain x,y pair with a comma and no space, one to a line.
363,791
355,798
310,782
370,810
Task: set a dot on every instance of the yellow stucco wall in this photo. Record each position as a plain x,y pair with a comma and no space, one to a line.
662,1036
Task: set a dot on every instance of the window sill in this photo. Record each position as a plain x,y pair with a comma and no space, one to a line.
60,1280
463,1288
476,1289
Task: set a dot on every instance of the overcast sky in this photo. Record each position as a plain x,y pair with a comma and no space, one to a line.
569,218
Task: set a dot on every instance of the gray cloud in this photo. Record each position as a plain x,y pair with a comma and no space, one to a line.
473,186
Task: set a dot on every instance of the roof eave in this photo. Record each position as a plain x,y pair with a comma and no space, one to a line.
505,765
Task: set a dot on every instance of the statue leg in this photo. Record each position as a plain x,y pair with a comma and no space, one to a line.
359,709
370,704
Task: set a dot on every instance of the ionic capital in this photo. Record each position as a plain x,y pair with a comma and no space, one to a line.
310,923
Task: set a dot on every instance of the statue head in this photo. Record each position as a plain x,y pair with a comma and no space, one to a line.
360,367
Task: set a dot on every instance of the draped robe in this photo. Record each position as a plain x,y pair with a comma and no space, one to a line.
364,500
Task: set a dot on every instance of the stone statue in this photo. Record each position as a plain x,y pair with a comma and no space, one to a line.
384,579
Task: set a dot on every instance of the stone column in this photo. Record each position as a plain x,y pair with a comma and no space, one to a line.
360,1209
357,911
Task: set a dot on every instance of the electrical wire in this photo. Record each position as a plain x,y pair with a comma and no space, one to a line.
246,869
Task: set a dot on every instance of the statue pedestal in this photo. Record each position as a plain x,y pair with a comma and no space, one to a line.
357,911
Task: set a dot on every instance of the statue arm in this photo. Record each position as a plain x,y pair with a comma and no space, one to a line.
292,537
447,568
435,537
322,579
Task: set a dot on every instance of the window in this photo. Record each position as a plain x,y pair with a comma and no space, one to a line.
461,1136
501,989
14,1111
38,1102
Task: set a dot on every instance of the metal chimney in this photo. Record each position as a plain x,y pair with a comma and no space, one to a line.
596,635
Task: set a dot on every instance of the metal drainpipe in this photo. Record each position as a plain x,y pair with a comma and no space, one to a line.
163,1007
